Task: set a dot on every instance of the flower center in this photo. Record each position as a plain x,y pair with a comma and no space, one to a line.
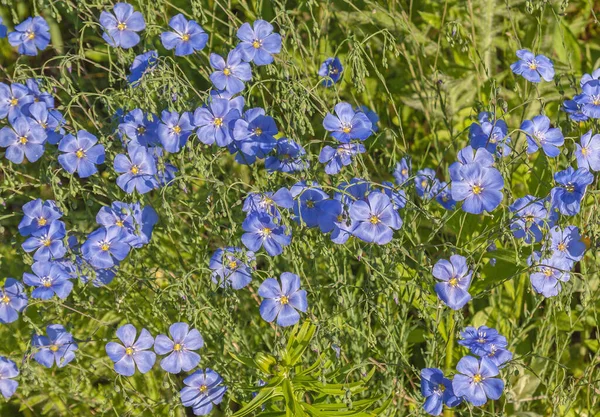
529,218
232,264
53,348
562,247
14,101
374,219
30,34
477,189
122,26
533,65
570,187
141,130
129,351
135,169
177,129
218,121
46,242
46,282
441,388
177,347
185,37
310,204
5,299
284,300
227,71
44,125
596,100
203,388
477,378
548,272
423,183
80,153
540,136
404,172
346,128
22,140
256,44
584,151
453,282
119,223
42,221
333,71
105,246
258,131
265,232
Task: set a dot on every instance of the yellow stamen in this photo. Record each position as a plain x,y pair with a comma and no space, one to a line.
23,140
5,299
30,35
346,129
80,154
533,65
14,101
232,264
266,231
141,130
121,26
177,347
177,130
477,378
105,246
185,37
404,172
42,221
256,44
53,348
47,282
423,183
477,189
570,188
227,71
442,387
310,204
258,131
562,247
548,272
374,219
584,151
119,223
129,351
218,121
453,282
203,388
135,169
47,242
284,300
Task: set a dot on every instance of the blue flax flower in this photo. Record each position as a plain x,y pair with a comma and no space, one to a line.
306,208
481,340
340,157
174,130
262,231
228,268
282,301
214,122
573,109
58,347
51,121
254,134
468,155
397,196
138,127
105,247
287,158
475,380
585,78
548,275
374,219
532,67
455,277
371,115
13,300
142,64
331,70
81,154
479,188
426,183
402,171
47,242
180,347
437,391
39,96
588,152
539,134
137,170
258,44
567,243
443,195
268,202
491,135
203,390
14,99
347,124
188,36
30,35
530,218
49,278
589,99
8,371
120,28
230,75
568,194
38,214
131,353
22,140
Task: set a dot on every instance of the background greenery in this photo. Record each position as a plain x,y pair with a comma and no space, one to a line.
427,67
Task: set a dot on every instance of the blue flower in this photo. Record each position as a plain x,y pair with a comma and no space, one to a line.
23,139
475,380
262,231
258,44
144,220
8,369
347,125
340,157
39,96
499,356
493,136
287,158
371,115
3,31
51,121
573,109
38,214
374,219
236,102
443,195
531,67
142,64
468,155
58,347
120,28
437,391
306,208
585,78
456,280
588,152
568,194
402,171
268,202
549,273
187,38
214,122
228,268
426,183
174,130
138,127
131,353
566,243
397,197
254,134
137,170
47,242
13,300
49,278
331,213
30,35
180,346
589,99
479,188
282,301
203,390
331,70
530,218
105,247
232,74
81,154
539,134
481,340
13,100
